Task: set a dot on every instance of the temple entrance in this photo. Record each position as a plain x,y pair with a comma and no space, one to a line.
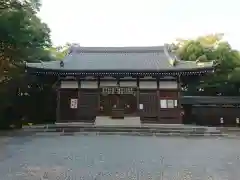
118,104
108,103
130,104
125,103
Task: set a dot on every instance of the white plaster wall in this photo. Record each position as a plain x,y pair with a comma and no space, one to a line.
69,84
128,83
148,84
168,85
89,84
108,83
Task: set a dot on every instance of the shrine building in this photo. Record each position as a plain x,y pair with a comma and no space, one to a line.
120,82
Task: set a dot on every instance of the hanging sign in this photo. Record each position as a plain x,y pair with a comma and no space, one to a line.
117,90
74,103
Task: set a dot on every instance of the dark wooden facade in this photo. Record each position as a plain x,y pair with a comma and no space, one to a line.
152,100
211,115
119,82
208,110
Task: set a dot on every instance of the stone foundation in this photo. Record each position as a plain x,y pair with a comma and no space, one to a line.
107,121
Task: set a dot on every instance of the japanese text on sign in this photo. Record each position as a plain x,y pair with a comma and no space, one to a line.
74,103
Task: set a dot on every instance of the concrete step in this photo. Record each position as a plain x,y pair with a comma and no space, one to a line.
127,121
229,129
70,128
147,126
111,129
186,135
125,127
161,130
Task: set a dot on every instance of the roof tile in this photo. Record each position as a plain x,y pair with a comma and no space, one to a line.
118,58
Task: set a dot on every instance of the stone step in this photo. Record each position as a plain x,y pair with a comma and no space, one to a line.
229,129
118,129
106,121
118,126
103,129
133,134
121,128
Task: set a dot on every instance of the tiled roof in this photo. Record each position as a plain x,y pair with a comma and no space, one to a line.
154,58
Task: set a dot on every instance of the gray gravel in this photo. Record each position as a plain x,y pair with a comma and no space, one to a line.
118,157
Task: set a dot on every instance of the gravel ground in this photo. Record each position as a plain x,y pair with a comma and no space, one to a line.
118,157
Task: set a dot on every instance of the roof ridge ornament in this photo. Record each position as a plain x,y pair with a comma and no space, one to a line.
74,48
41,63
172,59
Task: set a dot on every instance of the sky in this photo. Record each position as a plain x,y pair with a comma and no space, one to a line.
139,22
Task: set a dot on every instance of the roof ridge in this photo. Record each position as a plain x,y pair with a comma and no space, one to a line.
126,49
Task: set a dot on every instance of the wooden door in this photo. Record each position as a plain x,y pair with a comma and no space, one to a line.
170,115
107,103
118,106
88,106
68,113
129,103
149,102
111,105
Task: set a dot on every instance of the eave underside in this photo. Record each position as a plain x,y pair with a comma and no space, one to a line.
183,72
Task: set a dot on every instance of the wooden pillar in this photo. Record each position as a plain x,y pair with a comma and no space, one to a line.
58,87
99,96
178,99
158,101
79,95
58,105
138,95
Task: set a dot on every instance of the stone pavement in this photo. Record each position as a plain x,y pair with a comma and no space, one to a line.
119,157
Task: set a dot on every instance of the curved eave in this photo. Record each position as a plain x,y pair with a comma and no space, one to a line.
175,61
57,72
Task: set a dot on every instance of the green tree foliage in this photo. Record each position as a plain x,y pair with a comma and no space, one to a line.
226,79
23,37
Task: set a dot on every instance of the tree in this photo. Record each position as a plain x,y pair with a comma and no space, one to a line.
23,37
212,48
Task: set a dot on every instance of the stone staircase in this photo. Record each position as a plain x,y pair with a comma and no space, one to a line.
127,121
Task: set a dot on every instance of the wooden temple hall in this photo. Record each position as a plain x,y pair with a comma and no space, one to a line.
119,82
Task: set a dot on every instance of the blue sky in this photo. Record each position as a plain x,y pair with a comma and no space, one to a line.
139,22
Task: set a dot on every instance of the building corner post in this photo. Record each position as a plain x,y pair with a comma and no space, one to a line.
58,102
179,98
158,101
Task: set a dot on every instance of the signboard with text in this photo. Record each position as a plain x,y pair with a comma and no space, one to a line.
118,90
74,103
